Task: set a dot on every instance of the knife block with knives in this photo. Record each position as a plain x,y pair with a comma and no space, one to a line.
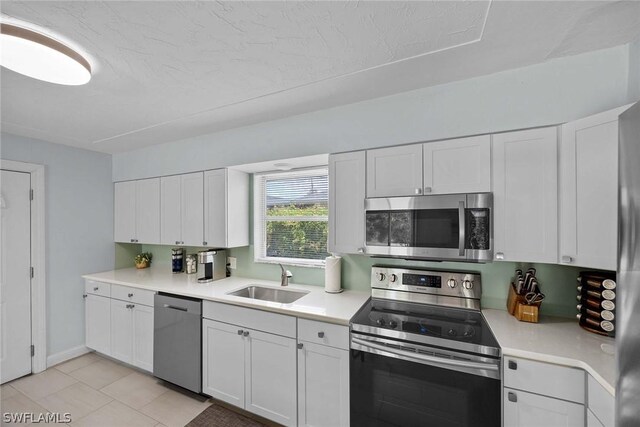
525,298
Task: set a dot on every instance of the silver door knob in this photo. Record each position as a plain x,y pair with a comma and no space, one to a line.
418,190
320,334
245,334
240,331
499,255
566,259
427,190
300,346
452,283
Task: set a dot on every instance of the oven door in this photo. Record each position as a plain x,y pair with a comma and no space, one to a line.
395,386
447,227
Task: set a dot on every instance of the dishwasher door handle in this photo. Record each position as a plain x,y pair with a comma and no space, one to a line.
173,307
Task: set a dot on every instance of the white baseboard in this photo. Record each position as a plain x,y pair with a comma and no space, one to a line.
63,356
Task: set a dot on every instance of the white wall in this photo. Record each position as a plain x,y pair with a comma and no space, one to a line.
553,92
79,221
634,71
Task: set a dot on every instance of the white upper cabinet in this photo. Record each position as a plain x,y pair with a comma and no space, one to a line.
525,194
182,209
589,191
346,202
226,208
458,165
137,211
394,171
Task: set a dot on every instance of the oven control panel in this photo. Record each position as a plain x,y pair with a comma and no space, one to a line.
465,285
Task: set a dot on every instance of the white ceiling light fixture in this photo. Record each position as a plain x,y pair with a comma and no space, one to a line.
41,57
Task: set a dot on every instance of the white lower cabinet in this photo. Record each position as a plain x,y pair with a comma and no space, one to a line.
592,420
251,369
323,385
522,409
121,331
98,323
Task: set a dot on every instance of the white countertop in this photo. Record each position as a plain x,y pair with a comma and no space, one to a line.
317,304
556,340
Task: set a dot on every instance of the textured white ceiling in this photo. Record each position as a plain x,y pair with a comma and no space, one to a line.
170,70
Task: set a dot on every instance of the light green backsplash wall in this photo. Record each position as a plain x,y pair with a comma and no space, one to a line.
557,282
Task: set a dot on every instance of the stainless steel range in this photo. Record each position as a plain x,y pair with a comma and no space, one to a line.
422,353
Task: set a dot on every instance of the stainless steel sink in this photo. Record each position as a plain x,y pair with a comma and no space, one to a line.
284,296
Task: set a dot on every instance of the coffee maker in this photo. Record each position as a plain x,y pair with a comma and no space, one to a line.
212,265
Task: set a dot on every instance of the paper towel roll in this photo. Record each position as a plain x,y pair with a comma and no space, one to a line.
332,281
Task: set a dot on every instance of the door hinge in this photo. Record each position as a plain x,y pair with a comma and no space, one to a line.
32,272
33,350
31,194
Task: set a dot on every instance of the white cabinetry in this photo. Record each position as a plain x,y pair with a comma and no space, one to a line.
346,202
182,209
394,171
97,319
226,208
601,405
137,211
249,360
323,374
119,323
525,194
458,165
542,394
589,191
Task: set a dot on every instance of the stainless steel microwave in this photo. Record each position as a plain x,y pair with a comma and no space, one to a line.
451,227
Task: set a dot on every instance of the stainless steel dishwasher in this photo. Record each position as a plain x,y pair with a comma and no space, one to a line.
177,340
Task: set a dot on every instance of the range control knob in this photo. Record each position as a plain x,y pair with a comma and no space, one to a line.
380,276
393,324
467,284
393,278
380,322
452,283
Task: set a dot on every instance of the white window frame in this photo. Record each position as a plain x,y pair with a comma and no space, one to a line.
259,218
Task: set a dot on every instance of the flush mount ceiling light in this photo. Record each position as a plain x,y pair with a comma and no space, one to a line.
283,166
41,57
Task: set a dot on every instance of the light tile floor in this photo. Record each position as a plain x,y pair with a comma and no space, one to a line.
100,392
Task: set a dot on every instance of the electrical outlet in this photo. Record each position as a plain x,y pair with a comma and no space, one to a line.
231,260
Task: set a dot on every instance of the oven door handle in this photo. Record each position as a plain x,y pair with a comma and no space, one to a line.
462,225
424,357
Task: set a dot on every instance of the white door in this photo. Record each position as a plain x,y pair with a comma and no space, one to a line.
142,317
15,276
121,330
323,386
98,323
346,202
394,171
215,208
170,210
458,165
124,215
525,195
270,377
192,197
589,192
223,366
148,211
523,409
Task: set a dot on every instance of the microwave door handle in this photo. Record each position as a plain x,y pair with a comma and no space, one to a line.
462,224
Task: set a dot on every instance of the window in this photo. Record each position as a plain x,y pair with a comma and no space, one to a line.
291,217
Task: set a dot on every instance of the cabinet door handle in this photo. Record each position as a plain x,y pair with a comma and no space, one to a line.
245,334
499,255
427,190
133,240
320,334
566,259
360,250
204,243
512,397
130,295
300,346
96,288
240,331
182,242
177,242
418,190
84,295
513,365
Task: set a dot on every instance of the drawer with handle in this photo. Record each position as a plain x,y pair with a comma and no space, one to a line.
323,333
97,288
138,296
